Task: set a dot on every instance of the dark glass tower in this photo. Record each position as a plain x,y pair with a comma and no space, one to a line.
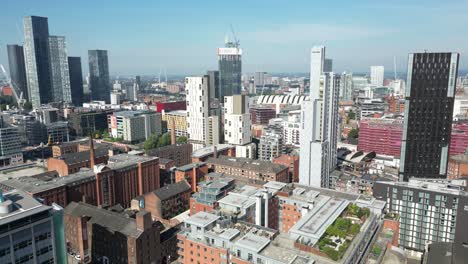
230,69
214,85
37,60
18,69
76,80
99,82
428,115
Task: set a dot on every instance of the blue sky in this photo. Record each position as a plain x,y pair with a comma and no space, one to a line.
276,36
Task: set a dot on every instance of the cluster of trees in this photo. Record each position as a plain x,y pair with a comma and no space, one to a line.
157,141
358,211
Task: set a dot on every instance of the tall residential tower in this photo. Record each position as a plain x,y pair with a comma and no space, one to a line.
230,69
76,80
319,124
99,82
37,59
429,103
203,124
18,69
59,70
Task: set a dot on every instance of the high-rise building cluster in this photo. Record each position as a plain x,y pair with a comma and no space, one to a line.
231,167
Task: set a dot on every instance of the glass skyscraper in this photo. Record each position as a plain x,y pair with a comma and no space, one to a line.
99,83
76,80
429,103
18,69
230,69
59,70
37,60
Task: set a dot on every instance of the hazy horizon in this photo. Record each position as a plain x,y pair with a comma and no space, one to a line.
183,36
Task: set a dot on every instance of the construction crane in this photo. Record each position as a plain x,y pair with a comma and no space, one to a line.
19,99
236,40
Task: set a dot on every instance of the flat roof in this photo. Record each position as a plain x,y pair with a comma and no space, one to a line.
314,224
237,200
22,205
430,185
31,184
203,152
275,185
253,242
248,164
191,166
202,219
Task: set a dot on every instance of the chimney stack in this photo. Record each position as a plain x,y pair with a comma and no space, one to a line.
143,220
91,152
173,135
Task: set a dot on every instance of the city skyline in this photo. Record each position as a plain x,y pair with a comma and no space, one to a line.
172,40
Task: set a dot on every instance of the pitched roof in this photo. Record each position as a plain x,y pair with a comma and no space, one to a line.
172,190
114,222
82,156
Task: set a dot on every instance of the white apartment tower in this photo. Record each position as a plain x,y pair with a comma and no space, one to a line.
237,121
202,124
377,75
319,124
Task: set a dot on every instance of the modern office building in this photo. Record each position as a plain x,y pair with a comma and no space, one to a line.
99,82
377,75
237,120
430,210
31,232
18,69
292,129
319,124
215,88
10,147
260,115
230,69
134,126
346,86
382,136
177,120
271,143
203,124
428,115
209,193
37,60
76,80
59,70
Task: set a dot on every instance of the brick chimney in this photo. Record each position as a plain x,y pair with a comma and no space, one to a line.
173,135
143,220
91,152
194,178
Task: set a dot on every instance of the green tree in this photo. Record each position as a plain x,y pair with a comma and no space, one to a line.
353,133
354,229
151,142
181,140
164,140
333,254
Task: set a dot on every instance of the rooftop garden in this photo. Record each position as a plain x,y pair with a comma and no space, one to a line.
339,235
